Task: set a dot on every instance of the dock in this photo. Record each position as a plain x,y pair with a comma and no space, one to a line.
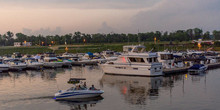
185,69
175,70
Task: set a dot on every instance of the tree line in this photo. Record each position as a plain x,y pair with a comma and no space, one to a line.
9,38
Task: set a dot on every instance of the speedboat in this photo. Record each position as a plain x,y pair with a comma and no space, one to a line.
32,63
197,68
136,62
3,67
77,92
51,61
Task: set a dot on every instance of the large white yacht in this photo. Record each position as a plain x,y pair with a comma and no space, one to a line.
135,62
51,61
3,67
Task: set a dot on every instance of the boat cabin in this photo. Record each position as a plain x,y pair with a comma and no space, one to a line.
144,58
165,55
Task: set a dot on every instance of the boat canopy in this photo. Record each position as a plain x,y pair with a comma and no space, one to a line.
75,80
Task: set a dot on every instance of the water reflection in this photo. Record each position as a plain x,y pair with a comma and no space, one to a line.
50,74
135,89
81,104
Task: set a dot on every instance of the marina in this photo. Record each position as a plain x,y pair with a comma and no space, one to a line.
32,89
136,78
109,55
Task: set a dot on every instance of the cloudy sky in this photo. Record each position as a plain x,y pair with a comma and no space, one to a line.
105,16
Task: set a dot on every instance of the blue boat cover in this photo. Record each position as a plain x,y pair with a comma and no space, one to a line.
196,66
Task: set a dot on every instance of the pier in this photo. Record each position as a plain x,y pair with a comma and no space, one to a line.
185,69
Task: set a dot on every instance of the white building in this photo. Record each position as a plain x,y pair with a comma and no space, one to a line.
24,44
17,44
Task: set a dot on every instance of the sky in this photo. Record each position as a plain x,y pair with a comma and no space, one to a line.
50,17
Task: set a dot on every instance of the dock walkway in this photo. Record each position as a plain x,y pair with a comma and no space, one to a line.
184,69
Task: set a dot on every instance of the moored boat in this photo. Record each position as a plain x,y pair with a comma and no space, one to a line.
197,68
32,63
3,67
135,62
51,61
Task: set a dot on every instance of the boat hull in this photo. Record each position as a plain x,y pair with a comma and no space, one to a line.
4,69
129,70
81,94
17,67
34,66
53,64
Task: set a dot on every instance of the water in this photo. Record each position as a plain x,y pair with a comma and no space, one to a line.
34,90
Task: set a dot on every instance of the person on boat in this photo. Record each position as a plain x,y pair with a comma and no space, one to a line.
84,85
92,88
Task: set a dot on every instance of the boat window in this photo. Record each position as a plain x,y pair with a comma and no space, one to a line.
139,60
149,60
166,56
155,59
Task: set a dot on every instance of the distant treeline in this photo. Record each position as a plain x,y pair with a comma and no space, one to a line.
78,37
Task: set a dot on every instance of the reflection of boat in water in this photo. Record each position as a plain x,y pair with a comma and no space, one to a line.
78,91
50,74
32,73
135,89
79,104
15,74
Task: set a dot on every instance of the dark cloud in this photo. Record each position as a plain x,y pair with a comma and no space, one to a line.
171,15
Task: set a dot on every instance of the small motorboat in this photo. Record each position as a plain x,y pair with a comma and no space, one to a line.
15,64
32,63
78,91
3,67
197,68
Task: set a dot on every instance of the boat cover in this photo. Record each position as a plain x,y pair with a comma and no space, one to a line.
196,66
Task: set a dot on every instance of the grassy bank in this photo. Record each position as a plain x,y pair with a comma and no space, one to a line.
82,48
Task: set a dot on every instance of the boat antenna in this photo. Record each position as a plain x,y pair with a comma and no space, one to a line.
138,37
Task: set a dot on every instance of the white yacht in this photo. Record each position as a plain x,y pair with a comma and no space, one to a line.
15,64
135,62
51,61
3,67
32,63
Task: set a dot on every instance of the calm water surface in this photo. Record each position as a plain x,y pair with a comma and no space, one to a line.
34,90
